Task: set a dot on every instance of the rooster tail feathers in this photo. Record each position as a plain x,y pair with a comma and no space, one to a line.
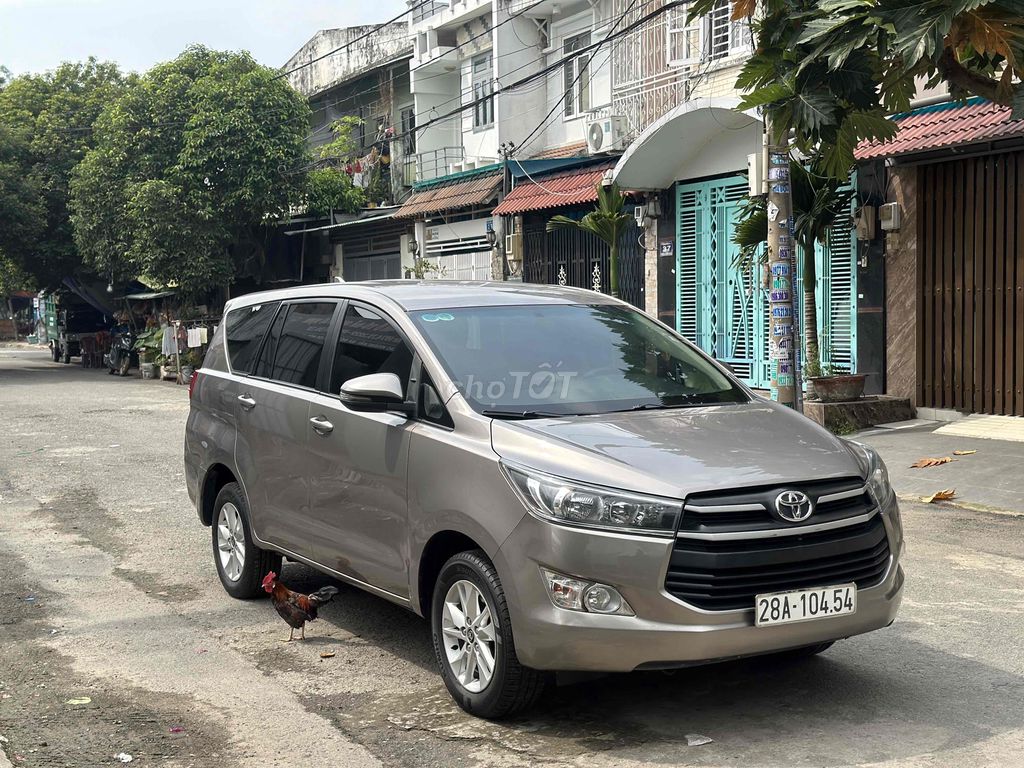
323,595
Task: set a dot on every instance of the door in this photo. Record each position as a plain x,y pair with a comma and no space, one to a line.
721,305
970,309
358,461
273,424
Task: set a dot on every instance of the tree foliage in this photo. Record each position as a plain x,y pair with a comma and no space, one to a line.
189,163
607,221
331,190
45,130
834,70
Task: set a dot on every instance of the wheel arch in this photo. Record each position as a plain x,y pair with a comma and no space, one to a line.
217,476
439,548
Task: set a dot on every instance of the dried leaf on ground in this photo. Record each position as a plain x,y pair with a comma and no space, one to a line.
945,495
963,453
930,462
327,655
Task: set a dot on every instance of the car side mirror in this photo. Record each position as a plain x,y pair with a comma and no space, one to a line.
375,392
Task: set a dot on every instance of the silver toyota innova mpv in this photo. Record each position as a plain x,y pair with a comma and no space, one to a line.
554,479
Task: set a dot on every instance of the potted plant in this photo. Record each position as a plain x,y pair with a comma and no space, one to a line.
832,384
148,346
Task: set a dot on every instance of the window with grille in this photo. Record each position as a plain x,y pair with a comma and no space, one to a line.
715,36
483,92
576,76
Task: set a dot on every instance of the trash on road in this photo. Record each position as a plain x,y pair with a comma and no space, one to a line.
76,702
327,654
697,740
930,462
176,729
964,453
123,757
945,495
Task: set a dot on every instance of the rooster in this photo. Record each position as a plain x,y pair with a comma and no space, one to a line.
294,608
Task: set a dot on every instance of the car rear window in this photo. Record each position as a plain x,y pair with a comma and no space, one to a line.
245,329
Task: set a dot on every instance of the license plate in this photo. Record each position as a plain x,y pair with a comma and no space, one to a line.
805,605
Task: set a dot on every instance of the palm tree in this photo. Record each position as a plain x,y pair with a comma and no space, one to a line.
607,221
818,202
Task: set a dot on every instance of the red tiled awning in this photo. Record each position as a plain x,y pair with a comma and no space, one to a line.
576,149
449,196
554,190
945,125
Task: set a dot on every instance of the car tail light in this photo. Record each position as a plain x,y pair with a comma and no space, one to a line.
192,382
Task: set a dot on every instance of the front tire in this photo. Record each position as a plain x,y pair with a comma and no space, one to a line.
126,363
473,641
241,565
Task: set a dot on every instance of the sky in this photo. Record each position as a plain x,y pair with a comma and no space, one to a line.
37,35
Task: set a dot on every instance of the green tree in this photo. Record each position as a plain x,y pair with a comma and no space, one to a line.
607,221
331,190
190,164
819,201
45,130
832,71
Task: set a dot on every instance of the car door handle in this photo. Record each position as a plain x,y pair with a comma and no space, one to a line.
247,402
321,425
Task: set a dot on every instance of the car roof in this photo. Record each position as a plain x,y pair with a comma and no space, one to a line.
434,294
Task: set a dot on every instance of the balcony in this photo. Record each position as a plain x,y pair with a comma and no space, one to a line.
424,12
425,166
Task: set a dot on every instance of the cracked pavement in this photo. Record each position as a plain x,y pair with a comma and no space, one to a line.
108,593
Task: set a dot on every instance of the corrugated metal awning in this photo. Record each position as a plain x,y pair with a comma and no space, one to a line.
945,125
554,190
449,196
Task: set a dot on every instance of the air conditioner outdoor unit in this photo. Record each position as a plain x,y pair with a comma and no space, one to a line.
606,134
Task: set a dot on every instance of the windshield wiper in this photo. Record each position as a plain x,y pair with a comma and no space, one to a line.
503,414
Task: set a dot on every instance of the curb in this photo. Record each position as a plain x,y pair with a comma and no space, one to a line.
957,504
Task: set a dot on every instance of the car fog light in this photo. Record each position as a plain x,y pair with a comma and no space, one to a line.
602,599
579,595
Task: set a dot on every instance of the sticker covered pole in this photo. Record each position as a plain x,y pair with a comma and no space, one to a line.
781,263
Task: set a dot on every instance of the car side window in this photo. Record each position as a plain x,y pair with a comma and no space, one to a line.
265,364
368,343
296,343
245,329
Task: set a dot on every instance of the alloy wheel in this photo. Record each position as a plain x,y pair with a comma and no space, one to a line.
231,541
469,635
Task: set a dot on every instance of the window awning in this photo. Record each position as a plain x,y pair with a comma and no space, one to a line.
476,191
533,193
703,137
941,126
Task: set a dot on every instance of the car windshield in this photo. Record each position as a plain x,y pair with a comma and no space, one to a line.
548,360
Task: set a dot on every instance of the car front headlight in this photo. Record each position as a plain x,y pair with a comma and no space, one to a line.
877,475
579,504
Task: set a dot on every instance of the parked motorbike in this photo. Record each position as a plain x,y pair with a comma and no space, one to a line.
119,359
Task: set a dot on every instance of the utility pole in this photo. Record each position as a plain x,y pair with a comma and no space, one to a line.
782,337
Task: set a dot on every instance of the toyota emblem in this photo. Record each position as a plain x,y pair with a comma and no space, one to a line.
793,506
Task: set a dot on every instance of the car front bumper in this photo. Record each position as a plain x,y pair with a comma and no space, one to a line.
665,632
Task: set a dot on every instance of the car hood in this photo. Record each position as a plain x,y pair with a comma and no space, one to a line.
680,451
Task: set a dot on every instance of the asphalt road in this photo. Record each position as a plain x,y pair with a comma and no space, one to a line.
108,598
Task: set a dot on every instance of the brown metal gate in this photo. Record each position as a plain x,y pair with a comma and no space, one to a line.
971,285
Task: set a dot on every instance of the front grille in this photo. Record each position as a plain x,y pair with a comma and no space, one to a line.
725,573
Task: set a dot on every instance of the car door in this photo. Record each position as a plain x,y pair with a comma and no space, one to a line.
273,418
358,461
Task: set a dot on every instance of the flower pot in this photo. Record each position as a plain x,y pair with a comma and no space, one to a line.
148,370
838,389
186,372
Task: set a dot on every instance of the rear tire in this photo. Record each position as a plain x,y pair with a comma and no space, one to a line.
231,512
126,363
511,687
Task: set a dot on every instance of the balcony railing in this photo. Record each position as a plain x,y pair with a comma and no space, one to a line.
422,12
425,166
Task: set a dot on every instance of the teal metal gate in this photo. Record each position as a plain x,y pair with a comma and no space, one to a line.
723,308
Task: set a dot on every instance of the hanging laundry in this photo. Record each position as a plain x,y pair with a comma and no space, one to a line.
193,338
202,335
167,344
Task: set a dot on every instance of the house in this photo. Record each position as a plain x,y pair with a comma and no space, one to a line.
361,73
950,192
